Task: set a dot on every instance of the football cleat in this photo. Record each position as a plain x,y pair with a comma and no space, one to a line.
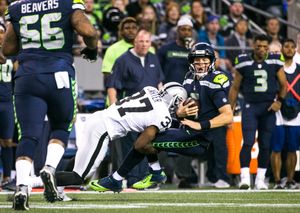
278,185
260,185
50,189
245,182
106,184
221,184
152,180
62,195
291,185
20,199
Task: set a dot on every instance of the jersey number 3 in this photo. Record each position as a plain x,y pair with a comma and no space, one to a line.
50,38
261,80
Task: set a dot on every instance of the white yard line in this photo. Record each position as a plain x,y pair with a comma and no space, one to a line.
149,205
177,191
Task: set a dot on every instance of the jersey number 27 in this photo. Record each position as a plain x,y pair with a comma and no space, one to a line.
144,104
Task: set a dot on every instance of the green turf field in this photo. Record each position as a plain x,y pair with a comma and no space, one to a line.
184,201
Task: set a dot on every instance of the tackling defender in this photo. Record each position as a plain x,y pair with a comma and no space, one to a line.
146,112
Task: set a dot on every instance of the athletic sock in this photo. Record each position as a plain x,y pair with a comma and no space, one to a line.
155,166
116,176
23,168
54,154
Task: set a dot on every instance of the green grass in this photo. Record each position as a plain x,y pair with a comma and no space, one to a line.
168,201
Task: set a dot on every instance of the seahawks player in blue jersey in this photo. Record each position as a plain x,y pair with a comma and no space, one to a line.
41,32
261,80
209,88
6,115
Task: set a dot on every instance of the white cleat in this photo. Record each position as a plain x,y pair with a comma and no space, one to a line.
221,184
260,185
245,182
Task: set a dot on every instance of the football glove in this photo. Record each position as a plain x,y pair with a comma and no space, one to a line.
89,54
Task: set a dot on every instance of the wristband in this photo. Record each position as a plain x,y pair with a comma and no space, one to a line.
280,99
205,125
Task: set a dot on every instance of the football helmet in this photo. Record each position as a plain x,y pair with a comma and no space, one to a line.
200,52
173,93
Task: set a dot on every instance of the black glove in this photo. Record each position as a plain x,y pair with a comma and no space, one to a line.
89,54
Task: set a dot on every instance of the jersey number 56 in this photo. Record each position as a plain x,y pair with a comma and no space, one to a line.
50,38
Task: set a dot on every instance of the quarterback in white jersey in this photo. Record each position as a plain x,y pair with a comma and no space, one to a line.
146,112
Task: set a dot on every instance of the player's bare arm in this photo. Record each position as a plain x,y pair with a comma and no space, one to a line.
11,43
224,118
112,95
83,27
143,142
281,77
234,89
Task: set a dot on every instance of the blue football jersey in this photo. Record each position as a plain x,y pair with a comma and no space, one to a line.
5,80
211,92
45,34
259,81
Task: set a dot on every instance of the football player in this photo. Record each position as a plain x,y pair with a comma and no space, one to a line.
261,80
41,33
6,114
146,112
208,87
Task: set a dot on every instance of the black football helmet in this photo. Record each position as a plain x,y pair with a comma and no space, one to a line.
202,49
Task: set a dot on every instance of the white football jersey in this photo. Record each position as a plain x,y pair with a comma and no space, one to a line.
137,112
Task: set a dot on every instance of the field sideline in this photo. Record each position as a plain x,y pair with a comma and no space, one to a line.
167,201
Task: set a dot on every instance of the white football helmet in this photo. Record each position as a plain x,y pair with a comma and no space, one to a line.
173,93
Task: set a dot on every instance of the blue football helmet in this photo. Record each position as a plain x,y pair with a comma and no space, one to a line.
202,50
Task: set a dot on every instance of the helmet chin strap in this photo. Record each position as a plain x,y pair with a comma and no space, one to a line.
200,75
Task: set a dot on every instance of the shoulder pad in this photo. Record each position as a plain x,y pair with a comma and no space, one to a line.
274,58
7,16
150,88
9,9
220,78
241,58
78,4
